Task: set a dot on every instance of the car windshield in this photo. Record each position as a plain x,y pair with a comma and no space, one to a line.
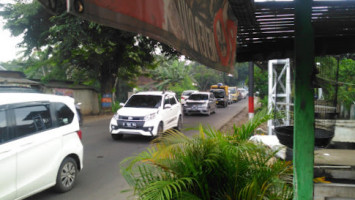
218,93
198,97
144,101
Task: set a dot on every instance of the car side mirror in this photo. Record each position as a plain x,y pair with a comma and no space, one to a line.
121,104
166,106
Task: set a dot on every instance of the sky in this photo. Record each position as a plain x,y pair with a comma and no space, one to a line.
8,48
8,43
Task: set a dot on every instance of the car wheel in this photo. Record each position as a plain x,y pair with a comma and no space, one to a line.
117,136
66,176
209,112
179,124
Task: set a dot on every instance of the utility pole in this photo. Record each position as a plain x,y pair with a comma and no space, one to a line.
251,90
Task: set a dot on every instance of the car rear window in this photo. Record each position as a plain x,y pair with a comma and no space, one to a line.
198,97
144,101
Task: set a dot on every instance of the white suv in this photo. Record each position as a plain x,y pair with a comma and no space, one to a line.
40,144
147,114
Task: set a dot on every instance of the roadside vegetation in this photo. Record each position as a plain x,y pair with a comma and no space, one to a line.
210,165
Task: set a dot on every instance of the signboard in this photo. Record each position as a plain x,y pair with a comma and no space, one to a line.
106,101
63,92
204,30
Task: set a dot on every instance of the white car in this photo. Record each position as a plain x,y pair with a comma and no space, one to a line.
147,114
243,92
40,144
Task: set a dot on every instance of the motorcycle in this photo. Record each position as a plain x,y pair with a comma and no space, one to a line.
78,110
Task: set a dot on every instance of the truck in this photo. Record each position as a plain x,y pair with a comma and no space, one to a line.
221,93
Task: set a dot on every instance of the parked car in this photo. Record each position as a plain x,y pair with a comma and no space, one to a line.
147,114
185,94
40,144
200,103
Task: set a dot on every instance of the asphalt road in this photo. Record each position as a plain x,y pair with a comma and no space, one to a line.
101,178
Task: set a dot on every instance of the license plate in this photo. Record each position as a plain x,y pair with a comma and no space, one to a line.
130,124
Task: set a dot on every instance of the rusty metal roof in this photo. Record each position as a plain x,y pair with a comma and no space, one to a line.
266,30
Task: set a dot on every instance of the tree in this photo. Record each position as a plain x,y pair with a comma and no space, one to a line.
205,77
79,46
243,73
171,74
260,82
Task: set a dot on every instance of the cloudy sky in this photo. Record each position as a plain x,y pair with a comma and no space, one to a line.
8,48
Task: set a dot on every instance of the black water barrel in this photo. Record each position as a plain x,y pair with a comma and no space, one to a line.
322,137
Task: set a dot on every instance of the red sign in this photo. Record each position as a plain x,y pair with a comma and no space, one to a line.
200,29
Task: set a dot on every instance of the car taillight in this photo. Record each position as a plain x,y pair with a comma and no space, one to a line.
79,134
182,98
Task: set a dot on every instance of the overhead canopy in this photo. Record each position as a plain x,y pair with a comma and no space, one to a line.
266,30
205,30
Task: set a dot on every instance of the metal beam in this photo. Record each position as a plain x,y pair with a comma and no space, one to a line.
303,143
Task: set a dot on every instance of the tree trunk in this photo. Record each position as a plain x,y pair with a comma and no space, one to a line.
114,90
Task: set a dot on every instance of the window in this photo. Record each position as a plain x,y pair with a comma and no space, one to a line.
32,119
3,127
63,113
144,101
172,100
166,100
198,97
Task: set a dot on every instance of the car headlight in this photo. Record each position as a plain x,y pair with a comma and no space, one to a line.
149,117
116,116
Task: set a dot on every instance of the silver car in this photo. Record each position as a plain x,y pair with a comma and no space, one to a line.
200,103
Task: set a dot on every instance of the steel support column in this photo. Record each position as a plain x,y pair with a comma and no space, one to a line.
303,145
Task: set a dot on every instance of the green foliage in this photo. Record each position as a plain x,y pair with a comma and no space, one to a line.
115,106
260,82
171,74
243,73
326,78
211,165
346,93
205,77
65,46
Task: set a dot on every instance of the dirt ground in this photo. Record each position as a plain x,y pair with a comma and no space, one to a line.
237,120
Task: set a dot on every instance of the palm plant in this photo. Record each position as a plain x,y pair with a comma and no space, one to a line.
210,165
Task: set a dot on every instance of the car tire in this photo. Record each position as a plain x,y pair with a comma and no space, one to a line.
117,136
179,124
209,112
66,175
